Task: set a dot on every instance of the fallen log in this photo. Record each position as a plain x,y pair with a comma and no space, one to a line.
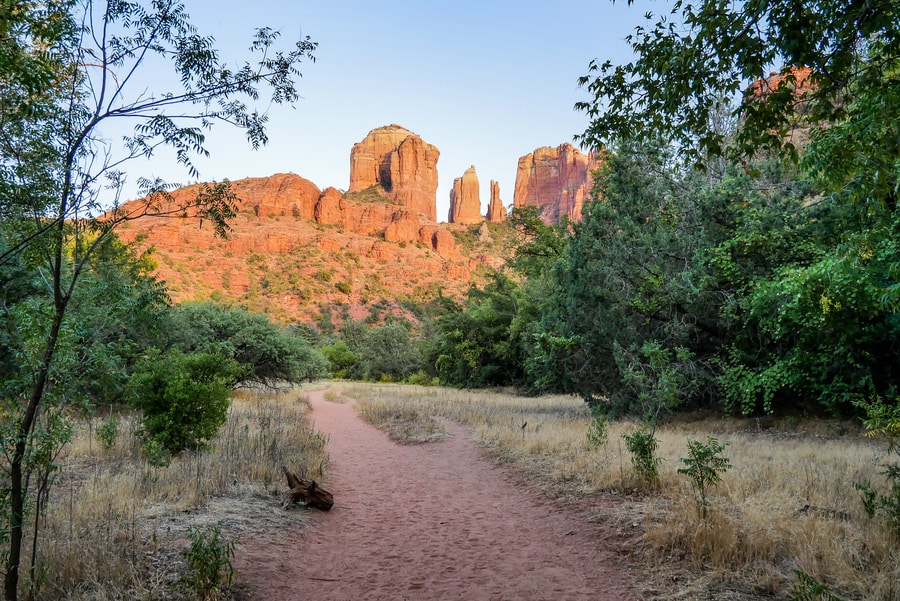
307,491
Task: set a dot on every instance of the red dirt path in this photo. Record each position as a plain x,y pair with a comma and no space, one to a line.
434,521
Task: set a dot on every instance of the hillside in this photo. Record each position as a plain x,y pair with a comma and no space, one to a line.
294,250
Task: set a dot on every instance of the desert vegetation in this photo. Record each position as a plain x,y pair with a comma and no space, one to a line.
785,517
114,525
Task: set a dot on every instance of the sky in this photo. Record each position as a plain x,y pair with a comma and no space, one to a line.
485,81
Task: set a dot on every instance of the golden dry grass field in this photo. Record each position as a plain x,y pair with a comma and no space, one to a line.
115,524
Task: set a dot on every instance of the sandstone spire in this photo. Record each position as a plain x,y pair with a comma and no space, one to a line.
496,212
465,201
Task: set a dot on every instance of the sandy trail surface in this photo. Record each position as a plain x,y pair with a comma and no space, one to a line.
433,521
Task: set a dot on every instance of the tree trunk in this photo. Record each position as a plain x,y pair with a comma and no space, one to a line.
17,490
307,491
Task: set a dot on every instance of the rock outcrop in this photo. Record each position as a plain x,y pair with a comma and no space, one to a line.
555,180
465,199
801,82
496,212
403,164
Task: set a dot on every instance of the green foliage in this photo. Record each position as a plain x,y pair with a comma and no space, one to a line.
184,398
688,60
542,244
341,360
208,563
703,466
642,444
804,272
883,419
389,352
67,71
420,378
475,346
598,430
269,353
807,588
108,432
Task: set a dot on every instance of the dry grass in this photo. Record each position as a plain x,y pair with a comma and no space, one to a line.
403,424
115,524
787,503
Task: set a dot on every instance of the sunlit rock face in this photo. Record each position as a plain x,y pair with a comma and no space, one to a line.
403,164
465,201
555,180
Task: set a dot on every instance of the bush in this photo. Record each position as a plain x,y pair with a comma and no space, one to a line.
107,432
703,465
642,445
184,398
598,431
208,562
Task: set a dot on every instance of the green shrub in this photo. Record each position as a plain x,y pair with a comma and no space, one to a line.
703,465
598,431
420,378
642,445
107,432
208,563
807,588
883,419
184,398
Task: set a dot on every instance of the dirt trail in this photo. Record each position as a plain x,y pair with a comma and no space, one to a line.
435,521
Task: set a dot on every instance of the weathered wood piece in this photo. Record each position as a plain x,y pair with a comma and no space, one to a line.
307,491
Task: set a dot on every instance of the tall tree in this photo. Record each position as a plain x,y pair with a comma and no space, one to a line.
823,325
68,69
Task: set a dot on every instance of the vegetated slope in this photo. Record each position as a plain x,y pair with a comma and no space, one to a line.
293,251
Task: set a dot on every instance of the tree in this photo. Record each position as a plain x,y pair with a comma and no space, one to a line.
822,325
69,68
184,398
270,354
708,51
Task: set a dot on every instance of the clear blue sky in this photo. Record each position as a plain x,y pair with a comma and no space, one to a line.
485,81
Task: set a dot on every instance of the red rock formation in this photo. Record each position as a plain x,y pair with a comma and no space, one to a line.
802,82
465,199
278,195
496,212
401,163
404,227
556,180
328,208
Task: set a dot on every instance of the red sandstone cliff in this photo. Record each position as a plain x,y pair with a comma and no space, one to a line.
556,180
403,164
465,199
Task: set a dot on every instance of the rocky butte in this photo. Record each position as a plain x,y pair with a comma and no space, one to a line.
403,164
555,180
296,251
465,200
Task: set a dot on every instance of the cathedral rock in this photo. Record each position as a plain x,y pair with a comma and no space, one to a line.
555,180
401,163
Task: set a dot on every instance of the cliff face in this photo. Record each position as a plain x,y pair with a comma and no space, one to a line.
496,212
465,201
555,180
403,164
